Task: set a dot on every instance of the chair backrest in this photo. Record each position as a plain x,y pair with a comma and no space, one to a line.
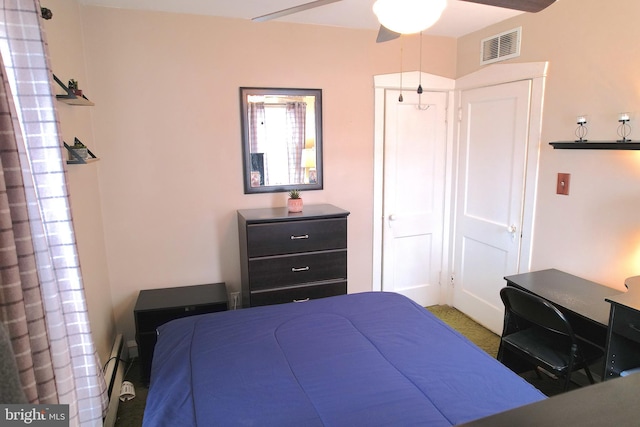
536,310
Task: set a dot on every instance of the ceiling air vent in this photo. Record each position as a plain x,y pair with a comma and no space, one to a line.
501,46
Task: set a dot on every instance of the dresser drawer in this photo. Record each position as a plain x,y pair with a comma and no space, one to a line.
296,236
626,323
298,293
275,272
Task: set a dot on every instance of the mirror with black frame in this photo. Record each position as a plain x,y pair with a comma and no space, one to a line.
281,139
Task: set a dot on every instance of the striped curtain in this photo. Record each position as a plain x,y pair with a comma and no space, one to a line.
258,137
42,301
256,127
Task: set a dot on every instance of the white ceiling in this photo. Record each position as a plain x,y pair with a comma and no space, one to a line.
458,19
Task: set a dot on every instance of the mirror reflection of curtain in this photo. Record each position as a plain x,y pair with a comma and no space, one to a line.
277,135
296,121
257,141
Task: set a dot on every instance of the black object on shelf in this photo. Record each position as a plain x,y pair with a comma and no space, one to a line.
70,97
77,159
596,145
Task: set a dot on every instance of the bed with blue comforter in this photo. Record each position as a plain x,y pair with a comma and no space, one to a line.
367,359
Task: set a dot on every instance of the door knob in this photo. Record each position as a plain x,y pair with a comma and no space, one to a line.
512,229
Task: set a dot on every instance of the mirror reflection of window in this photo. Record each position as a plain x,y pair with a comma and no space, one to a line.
276,145
279,134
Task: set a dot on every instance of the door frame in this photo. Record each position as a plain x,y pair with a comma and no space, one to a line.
491,75
405,81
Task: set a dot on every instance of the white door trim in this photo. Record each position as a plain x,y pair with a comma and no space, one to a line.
502,73
410,81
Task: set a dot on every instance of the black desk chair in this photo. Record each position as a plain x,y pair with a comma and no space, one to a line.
538,333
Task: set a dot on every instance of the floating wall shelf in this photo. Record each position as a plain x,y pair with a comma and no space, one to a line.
596,145
77,159
70,97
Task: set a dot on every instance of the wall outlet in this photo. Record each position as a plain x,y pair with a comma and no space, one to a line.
132,347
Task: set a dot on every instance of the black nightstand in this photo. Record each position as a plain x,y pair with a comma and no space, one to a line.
155,307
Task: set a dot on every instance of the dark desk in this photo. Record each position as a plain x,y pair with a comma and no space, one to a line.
581,301
623,341
611,403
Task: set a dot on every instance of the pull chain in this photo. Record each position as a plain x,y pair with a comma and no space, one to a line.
420,106
400,98
420,66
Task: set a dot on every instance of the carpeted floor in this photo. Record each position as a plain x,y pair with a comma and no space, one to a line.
476,333
130,412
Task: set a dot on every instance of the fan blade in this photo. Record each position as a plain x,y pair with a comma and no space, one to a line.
385,34
524,5
292,10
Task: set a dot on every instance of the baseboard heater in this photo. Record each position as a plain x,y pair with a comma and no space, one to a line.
113,376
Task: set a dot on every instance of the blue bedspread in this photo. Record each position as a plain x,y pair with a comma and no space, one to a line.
368,359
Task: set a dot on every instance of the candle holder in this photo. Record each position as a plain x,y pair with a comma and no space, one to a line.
624,129
581,130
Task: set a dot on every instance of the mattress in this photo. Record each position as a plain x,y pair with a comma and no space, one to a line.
366,359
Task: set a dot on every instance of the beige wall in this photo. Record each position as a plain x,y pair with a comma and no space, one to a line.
158,209
167,130
64,34
591,47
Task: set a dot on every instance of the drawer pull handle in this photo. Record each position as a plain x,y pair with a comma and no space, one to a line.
295,270
634,327
304,236
301,300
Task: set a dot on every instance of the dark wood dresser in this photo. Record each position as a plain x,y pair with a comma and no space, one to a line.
156,307
288,257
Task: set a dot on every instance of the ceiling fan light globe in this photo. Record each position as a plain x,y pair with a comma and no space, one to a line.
408,16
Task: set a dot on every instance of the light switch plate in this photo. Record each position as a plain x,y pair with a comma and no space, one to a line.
562,186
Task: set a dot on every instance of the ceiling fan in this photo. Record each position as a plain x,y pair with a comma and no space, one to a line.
385,34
